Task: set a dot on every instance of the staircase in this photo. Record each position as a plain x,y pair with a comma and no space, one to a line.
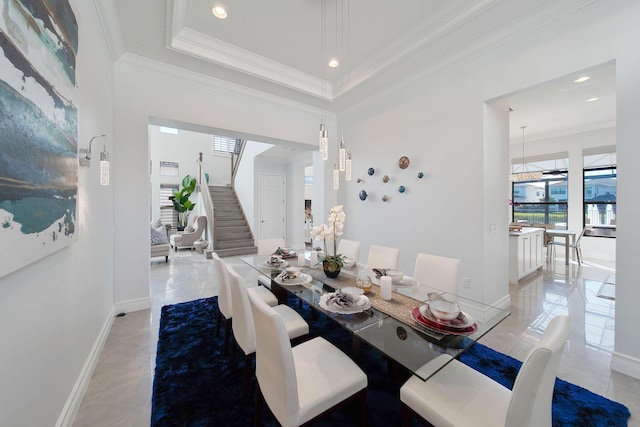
231,232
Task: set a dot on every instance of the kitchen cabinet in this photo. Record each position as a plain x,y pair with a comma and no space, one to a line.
525,253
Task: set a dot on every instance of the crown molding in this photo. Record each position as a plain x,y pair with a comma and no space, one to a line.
110,25
194,43
404,48
449,61
207,82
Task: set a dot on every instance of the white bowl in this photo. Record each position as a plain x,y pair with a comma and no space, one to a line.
348,262
293,271
396,275
444,310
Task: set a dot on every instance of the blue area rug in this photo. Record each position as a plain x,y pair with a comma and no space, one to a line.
195,385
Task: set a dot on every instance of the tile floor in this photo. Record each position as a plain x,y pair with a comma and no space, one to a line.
119,393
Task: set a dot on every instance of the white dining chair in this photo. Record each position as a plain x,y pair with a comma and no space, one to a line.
434,271
349,248
575,246
383,257
301,383
269,246
458,395
243,326
225,308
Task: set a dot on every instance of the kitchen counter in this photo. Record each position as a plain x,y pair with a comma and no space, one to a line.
525,252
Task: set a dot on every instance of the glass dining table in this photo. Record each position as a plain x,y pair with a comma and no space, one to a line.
390,326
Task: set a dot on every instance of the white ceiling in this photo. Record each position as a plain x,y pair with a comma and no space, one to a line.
277,46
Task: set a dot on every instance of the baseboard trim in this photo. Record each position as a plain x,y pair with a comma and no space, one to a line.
133,305
485,312
624,364
68,414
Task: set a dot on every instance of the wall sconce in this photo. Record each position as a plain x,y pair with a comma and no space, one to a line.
84,158
104,168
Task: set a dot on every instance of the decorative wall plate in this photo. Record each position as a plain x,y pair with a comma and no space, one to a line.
401,189
403,162
420,175
385,179
371,171
359,180
362,195
385,198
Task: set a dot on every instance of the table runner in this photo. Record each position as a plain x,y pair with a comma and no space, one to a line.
399,307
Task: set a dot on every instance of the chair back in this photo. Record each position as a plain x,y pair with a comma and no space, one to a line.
437,272
349,248
532,392
580,237
200,223
383,257
243,329
224,294
269,246
275,368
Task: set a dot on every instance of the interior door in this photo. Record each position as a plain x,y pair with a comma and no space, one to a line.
272,206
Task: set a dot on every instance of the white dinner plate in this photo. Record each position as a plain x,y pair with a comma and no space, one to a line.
300,280
283,264
361,305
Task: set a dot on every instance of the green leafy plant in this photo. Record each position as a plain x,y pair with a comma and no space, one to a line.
181,202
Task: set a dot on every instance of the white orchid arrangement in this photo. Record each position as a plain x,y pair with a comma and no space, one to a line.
331,232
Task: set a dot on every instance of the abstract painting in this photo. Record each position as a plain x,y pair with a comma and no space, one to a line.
38,130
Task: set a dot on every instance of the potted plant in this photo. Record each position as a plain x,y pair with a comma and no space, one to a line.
181,202
331,264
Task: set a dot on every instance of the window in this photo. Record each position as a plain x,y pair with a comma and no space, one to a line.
223,144
168,214
600,187
542,201
168,130
535,202
169,168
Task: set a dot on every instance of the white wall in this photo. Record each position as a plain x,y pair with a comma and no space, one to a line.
296,195
246,181
592,247
184,148
147,89
55,311
437,119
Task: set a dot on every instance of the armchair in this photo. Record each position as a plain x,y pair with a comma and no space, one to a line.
159,240
187,238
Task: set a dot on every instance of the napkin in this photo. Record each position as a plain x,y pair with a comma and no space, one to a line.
341,299
285,276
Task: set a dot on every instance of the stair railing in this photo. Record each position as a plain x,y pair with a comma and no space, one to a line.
236,156
205,199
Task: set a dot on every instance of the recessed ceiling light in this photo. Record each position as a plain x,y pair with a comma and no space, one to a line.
581,79
333,63
219,12
595,98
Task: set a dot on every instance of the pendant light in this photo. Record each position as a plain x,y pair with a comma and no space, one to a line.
524,175
347,167
324,135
